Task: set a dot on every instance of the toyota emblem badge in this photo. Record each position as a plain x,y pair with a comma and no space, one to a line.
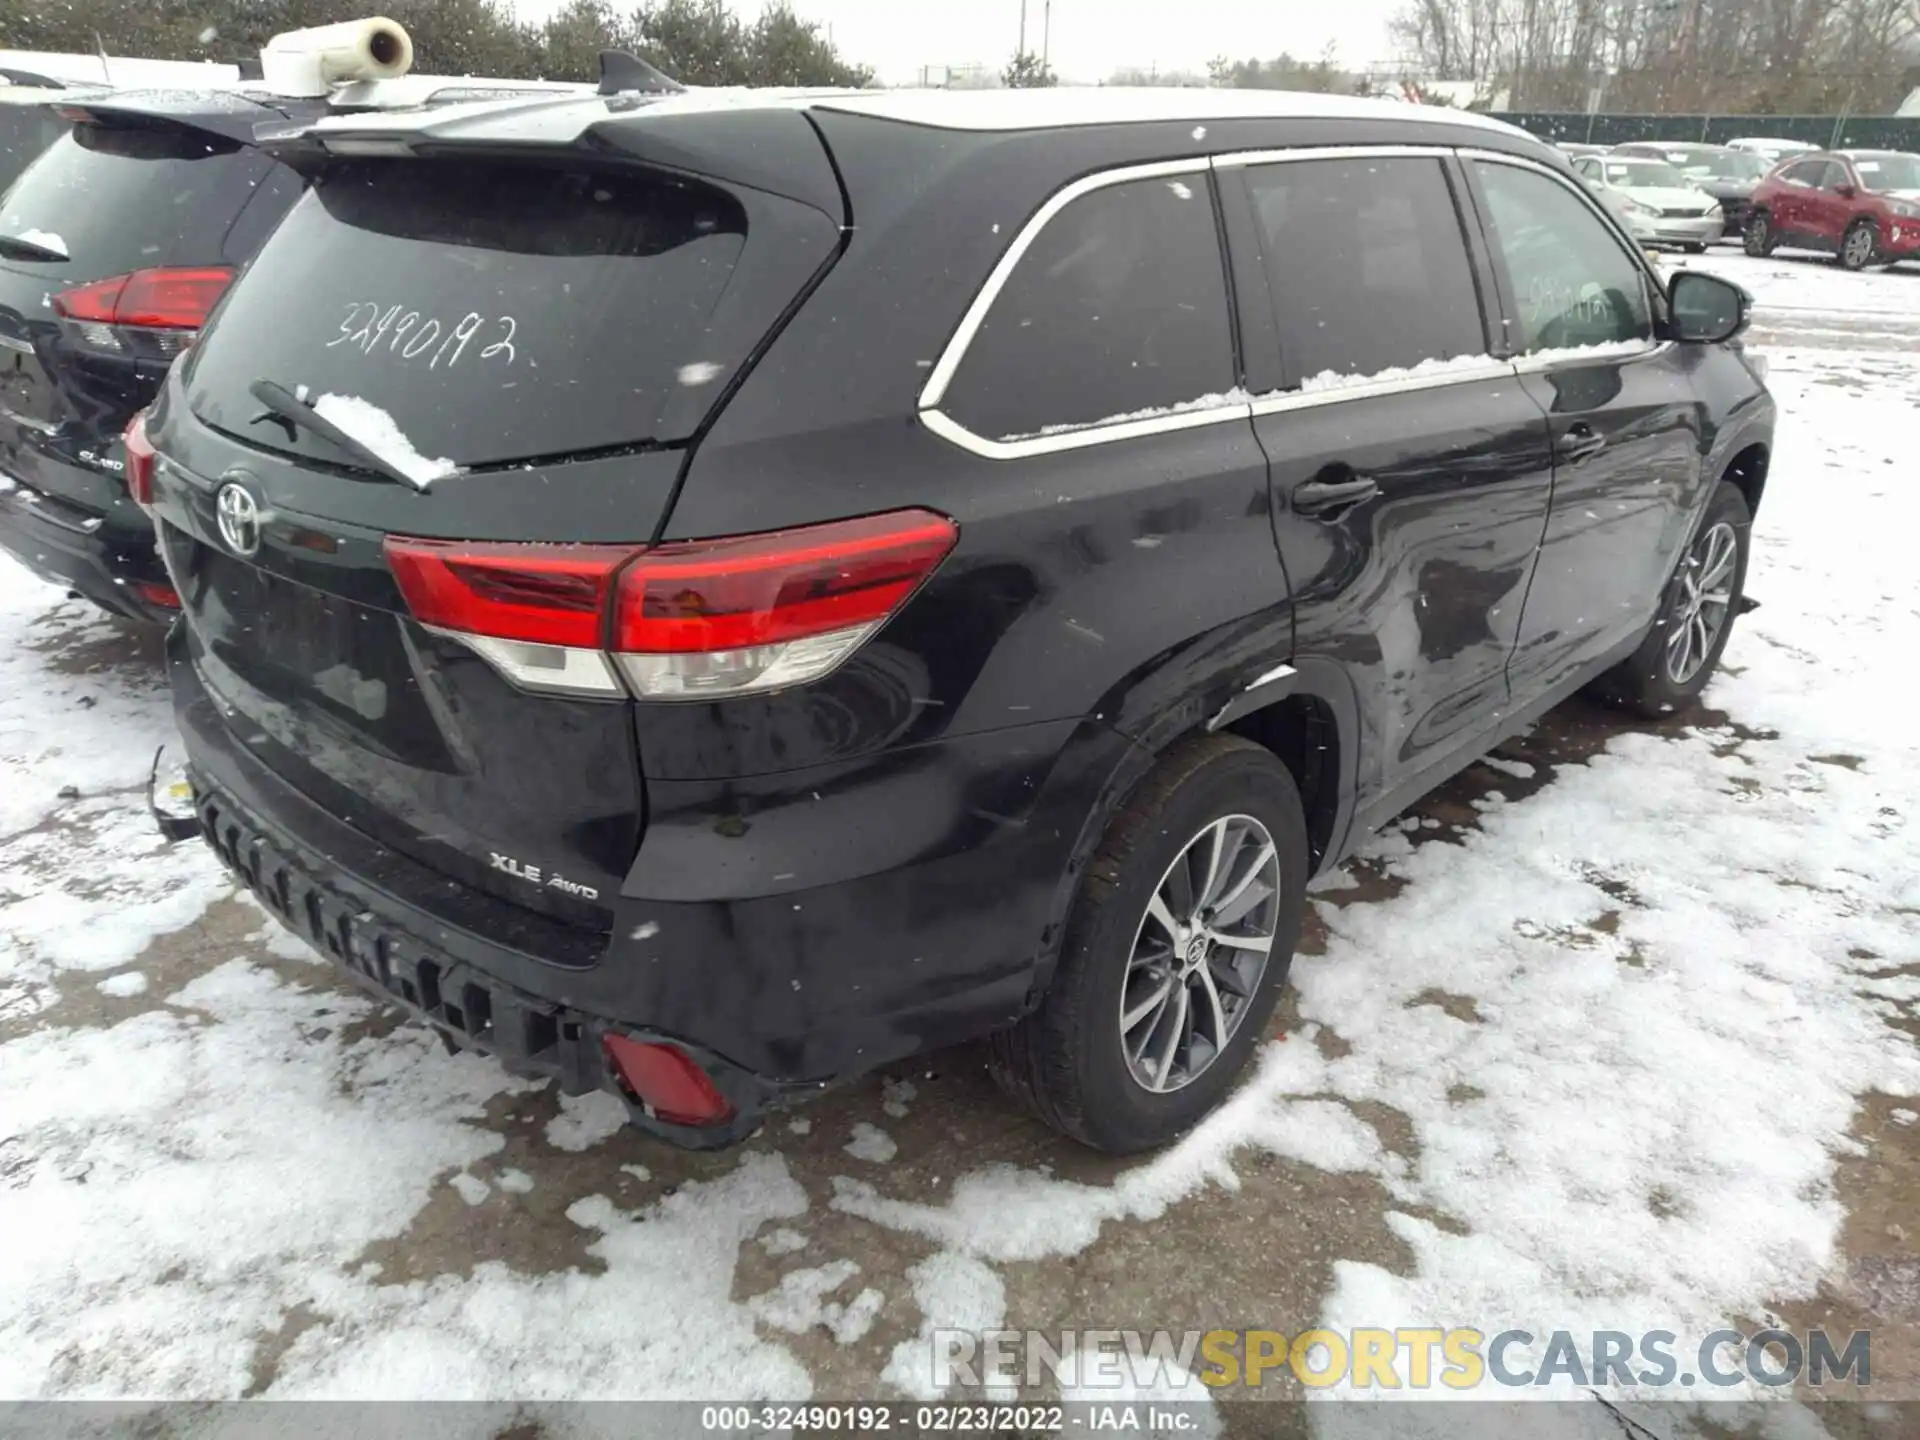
239,517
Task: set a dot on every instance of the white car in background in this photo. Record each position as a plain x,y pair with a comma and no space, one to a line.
1658,204
1772,149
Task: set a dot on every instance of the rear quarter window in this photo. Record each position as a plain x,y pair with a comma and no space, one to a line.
1118,309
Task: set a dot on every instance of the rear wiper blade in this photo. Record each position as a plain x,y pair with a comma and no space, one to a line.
15,247
288,408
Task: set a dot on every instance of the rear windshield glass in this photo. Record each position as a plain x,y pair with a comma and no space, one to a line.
119,199
494,311
25,130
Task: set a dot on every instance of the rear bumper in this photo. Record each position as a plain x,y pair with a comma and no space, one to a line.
66,546
775,991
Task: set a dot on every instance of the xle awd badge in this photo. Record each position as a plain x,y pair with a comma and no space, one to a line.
238,515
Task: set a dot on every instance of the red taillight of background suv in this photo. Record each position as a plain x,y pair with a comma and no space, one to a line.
690,620
149,314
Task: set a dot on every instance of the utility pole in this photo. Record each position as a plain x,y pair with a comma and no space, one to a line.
1022,49
1046,32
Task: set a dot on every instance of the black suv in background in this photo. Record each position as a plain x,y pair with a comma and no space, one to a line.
114,246
704,597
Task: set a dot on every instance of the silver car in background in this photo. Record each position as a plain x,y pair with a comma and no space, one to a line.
1659,204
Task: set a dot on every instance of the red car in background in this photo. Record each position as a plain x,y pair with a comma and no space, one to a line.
1862,206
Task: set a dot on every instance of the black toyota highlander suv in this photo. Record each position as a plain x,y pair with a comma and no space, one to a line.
704,597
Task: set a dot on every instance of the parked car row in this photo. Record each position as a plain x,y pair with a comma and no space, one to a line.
701,595
1861,206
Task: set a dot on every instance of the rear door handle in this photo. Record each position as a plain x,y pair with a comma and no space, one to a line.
1315,497
1580,442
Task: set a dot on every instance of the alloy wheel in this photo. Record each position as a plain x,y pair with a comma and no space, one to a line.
1703,602
1199,953
1859,247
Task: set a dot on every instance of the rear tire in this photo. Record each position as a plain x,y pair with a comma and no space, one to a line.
1697,247
1673,665
1757,238
1075,1062
1860,246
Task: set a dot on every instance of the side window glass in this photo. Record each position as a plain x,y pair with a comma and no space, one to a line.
1119,307
1835,176
1367,266
1805,173
1573,282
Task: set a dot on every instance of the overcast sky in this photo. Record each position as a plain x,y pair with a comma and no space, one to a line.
1090,38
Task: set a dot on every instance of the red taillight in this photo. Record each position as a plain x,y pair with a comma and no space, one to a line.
156,593
141,457
666,1080
706,595
151,313
171,299
545,594
690,620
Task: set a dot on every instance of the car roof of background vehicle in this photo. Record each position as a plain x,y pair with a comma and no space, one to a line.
118,70
536,119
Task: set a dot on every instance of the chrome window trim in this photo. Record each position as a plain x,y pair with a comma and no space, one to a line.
1239,158
1284,400
1541,361
934,391
947,428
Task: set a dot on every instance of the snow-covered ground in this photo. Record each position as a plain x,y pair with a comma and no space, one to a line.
1591,1048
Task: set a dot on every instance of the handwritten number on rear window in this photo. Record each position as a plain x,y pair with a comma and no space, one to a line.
407,335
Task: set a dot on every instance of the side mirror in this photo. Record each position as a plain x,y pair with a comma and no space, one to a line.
1706,309
1845,192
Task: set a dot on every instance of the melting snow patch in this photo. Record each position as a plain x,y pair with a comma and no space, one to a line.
1003,1213
381,433
783,1241
573,1335
585,1121
123,985
1518,769
471,1188
954,1293
700,372
638,1172
871,1143
895,1096
515,1182
800,1303
1904,1117
801,1126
